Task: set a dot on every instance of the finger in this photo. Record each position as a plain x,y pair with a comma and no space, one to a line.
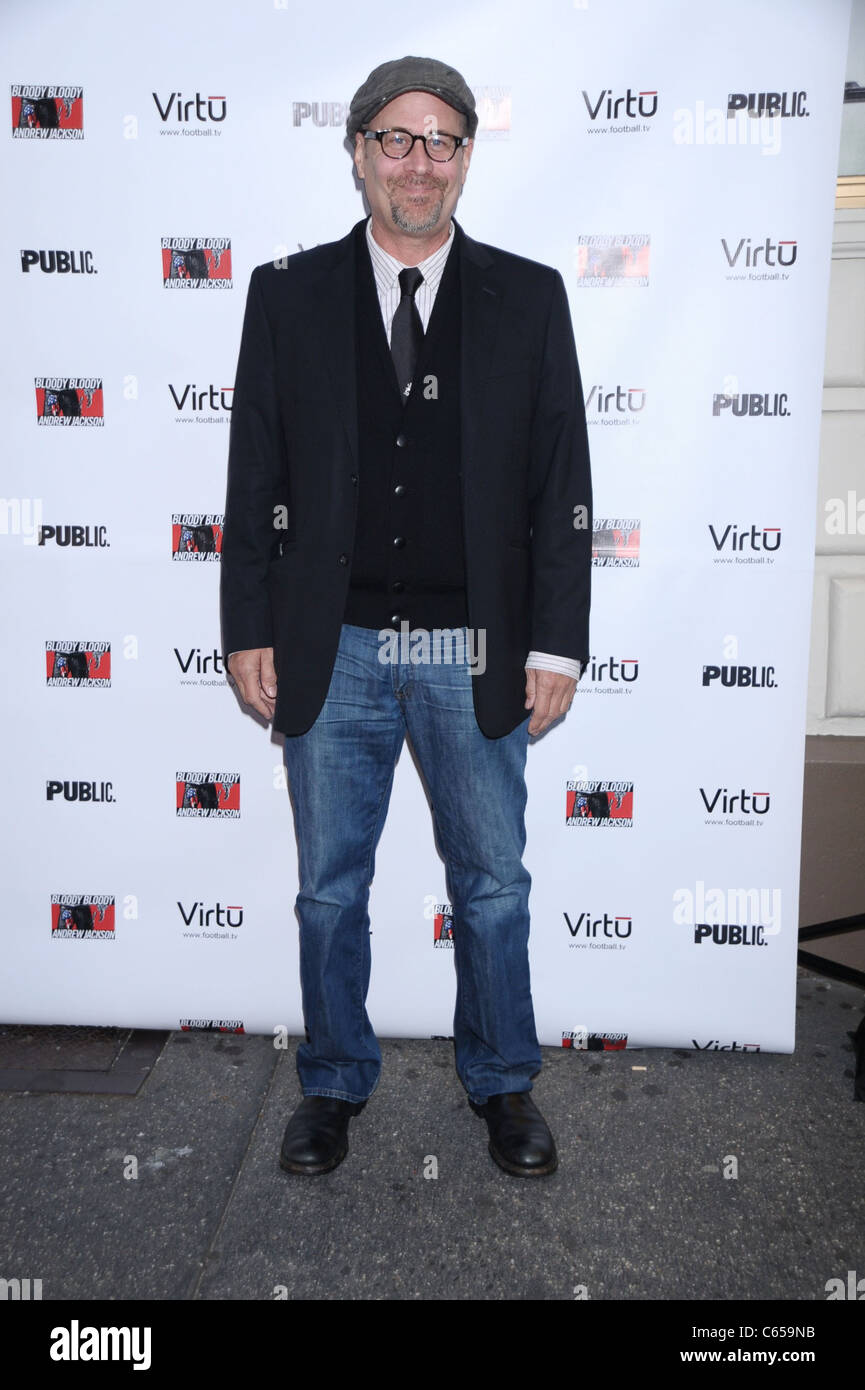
563,697
252,695
262,705
540,717
549,707
564,704
267,677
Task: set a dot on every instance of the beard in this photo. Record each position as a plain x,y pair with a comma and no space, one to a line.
421,220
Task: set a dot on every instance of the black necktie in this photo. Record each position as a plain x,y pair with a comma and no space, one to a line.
407,330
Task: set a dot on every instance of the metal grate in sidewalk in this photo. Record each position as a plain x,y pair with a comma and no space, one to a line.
68,1058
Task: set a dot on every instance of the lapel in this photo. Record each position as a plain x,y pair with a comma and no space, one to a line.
330,326
482,293
331,320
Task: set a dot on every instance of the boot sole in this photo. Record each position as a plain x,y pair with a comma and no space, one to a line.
520,1170
312,1170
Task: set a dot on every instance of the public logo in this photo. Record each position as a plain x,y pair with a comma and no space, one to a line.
47,113
579,1040
59,262
443,926
77,916
207,405
78,663
730,933
91,793
612,676
615,405
208,795
751,405
615,542
756,104
330,114
611,262
69,401
70,537
736,544
196,263
740,677
196,536
596,805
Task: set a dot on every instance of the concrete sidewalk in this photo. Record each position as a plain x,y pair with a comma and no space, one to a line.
639,1208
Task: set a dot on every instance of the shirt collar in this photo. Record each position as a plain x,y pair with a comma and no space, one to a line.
387,268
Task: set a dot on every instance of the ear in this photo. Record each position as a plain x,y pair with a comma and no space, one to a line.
359,153
467,156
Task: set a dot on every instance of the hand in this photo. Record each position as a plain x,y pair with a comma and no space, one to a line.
549,694
255,676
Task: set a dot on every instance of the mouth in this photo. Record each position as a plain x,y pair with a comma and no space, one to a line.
415,189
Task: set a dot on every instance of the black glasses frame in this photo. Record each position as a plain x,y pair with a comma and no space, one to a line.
461,140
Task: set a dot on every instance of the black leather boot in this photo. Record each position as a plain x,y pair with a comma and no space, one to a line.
520,1140
316,1138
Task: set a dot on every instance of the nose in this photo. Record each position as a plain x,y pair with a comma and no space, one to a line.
418,161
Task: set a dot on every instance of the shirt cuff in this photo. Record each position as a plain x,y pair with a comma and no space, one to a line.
564,665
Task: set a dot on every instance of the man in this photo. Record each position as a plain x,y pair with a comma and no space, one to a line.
409,453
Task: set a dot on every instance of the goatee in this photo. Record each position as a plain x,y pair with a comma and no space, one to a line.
419,222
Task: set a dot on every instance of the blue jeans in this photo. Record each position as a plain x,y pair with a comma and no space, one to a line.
340,774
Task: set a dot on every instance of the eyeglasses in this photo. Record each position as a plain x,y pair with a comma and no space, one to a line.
396,144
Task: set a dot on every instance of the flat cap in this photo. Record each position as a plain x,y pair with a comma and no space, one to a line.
409,74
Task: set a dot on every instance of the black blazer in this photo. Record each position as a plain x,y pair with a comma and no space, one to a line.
293,474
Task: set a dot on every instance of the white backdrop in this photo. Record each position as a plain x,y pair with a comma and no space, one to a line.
695,245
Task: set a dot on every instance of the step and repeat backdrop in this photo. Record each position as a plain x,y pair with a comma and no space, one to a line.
678,167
